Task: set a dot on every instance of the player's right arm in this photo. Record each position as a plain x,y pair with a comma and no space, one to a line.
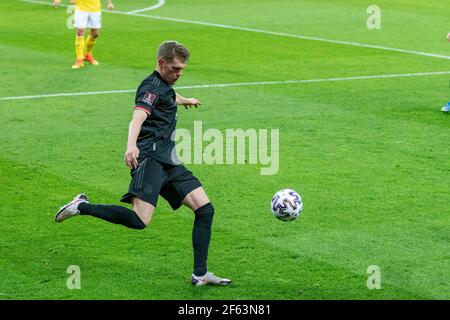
132,152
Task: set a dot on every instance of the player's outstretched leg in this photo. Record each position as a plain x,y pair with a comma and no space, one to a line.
111,213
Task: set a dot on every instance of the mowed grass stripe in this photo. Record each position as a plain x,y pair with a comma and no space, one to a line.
312,62
366,156
73,247
361,132
272,33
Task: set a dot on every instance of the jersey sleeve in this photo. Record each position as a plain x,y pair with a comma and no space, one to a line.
146,100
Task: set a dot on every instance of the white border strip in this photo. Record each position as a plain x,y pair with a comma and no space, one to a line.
156,6
281,34
238,84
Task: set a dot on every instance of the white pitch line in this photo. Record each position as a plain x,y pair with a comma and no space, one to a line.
274,33
42,2
54,95
238,84
156,6
289,35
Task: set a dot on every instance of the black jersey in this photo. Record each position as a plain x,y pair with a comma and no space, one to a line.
158,99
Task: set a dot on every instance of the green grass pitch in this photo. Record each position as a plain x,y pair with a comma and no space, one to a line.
370,157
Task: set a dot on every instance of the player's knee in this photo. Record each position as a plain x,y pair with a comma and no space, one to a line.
80,32
145,222
140,223
143,212
142,219
95,33
141,226
206,212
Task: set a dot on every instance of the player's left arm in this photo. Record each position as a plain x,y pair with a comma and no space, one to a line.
110,5
187,102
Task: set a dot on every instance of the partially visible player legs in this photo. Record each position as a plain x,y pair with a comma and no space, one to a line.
79,49
138,218
198,201
90,43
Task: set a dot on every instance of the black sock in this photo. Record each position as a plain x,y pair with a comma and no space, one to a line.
112,213
201,235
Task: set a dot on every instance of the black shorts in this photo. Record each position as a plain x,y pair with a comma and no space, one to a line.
152,178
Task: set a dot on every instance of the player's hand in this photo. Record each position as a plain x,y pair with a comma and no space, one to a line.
73,1
56,3
131,156
110,6
191,102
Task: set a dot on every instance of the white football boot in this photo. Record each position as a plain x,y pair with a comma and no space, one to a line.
209,278
70,209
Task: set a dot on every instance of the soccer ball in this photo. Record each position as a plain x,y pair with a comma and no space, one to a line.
286,205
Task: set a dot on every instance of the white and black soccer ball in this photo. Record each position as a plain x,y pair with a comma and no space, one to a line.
286,205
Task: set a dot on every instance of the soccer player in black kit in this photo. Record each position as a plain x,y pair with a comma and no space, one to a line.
155,167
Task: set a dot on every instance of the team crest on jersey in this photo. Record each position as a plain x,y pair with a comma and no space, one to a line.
149,98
